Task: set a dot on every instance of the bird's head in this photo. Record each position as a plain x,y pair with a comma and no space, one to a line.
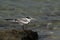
31,18
28,17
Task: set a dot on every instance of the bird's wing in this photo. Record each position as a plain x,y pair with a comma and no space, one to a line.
11,21
8,19
24,19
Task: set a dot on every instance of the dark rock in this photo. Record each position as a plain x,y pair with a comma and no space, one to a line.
15,34
30,35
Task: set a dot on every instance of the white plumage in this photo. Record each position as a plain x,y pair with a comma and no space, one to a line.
21,21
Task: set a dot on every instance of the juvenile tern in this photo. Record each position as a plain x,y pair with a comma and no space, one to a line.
21,21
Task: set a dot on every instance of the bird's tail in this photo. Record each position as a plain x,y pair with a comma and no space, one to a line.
11,20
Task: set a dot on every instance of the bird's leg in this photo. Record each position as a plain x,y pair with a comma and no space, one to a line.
23,27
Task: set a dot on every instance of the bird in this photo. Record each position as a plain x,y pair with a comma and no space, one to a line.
21,21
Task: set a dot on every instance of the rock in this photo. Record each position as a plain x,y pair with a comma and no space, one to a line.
15,34
30,35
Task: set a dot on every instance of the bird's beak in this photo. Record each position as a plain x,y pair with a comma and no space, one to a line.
33,19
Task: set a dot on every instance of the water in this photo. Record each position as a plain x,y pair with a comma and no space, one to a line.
42,10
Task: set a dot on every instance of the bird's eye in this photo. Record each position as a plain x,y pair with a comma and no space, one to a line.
28,17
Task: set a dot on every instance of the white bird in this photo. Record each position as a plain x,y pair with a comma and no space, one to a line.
21,21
